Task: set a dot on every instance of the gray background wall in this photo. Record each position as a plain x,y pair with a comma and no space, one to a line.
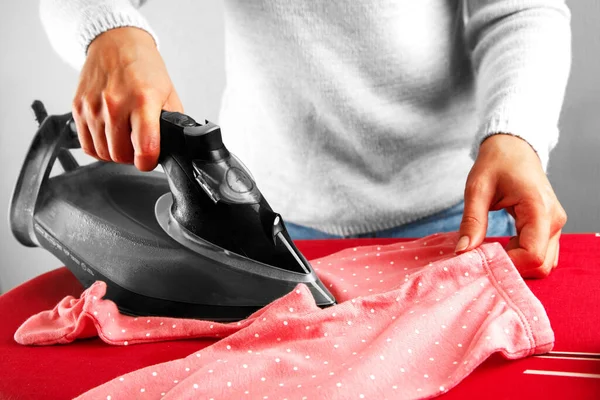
29,69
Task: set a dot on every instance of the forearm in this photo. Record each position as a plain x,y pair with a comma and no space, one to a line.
71,25
521,53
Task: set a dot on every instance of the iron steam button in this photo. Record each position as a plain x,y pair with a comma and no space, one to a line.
203,137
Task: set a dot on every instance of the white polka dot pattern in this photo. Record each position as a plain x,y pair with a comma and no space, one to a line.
412,321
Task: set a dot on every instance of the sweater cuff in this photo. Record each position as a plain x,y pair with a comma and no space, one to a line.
541,138
101,18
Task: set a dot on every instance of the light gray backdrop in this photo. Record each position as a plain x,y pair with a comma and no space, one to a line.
29,69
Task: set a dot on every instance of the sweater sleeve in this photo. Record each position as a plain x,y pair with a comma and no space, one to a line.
71,25
521,54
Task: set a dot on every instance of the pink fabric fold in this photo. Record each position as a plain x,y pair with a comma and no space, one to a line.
412,321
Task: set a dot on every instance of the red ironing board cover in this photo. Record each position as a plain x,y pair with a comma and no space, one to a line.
570,295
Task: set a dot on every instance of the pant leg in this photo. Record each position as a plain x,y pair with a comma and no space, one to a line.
300,232
500,223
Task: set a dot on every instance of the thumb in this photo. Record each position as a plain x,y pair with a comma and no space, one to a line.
478,198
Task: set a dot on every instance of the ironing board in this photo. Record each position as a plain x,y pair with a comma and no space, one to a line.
571,296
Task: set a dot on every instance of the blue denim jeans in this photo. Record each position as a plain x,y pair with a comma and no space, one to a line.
500,223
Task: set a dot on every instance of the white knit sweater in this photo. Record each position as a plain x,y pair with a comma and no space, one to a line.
356,116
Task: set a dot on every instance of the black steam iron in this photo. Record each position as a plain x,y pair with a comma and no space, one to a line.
197,241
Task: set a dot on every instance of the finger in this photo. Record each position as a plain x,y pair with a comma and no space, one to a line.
513,243
92,114
534,233
118,137
145,136
97,130
478,198
85,137
548,265
83,133
91,111
117,130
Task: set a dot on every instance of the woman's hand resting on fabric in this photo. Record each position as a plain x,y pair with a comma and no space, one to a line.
508,175
123,86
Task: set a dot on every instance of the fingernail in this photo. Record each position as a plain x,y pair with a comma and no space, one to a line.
462,244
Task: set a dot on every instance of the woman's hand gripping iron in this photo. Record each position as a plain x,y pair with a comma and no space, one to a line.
199,241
